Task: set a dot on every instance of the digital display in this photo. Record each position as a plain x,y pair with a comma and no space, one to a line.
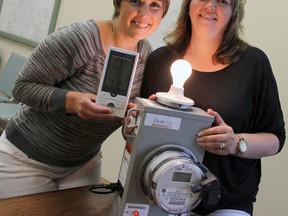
181,177
118,73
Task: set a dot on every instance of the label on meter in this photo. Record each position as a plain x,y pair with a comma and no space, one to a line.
162,121
174,197
124,167
132,209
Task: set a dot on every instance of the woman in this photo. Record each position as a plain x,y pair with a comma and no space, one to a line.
54,142
234,82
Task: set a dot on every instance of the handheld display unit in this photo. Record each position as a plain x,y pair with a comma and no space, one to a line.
117,80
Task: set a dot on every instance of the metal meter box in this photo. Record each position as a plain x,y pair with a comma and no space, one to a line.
156,130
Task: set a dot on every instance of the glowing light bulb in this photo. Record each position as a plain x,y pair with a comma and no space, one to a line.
180,70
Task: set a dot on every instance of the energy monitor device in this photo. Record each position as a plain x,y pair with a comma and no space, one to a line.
161,173
117,79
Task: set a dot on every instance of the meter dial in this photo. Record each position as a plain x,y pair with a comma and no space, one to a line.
168,173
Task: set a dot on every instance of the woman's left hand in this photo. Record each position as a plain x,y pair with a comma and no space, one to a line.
220,139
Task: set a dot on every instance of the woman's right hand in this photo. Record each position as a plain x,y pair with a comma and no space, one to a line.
152,97
83,105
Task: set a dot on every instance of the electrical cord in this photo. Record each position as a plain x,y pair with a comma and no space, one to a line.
104,188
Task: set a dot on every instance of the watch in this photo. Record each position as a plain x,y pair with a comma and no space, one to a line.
241,146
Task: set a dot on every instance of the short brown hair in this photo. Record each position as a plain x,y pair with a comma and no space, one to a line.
117,4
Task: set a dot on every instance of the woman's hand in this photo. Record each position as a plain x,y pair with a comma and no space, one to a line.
152,97
220,139
134,114
83,105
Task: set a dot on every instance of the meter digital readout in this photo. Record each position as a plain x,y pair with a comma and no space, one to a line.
181,177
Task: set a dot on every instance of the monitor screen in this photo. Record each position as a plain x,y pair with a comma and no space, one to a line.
118,73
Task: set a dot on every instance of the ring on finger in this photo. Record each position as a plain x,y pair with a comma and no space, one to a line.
221,145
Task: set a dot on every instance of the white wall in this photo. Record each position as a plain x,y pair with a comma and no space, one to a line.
266,28
70,11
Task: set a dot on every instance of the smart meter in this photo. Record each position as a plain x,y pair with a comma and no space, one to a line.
161,173
168,174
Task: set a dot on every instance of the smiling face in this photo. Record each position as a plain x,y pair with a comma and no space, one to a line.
140,18
210,16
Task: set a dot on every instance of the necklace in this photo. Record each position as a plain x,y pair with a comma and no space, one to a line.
114,36
113,33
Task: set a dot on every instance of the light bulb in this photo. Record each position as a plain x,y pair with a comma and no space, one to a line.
180,71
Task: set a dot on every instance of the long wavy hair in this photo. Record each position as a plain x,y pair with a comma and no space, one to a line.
117,3
231,47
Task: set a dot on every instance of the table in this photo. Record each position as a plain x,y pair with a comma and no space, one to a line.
69,202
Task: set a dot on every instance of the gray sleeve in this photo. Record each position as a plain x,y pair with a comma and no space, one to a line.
52,62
